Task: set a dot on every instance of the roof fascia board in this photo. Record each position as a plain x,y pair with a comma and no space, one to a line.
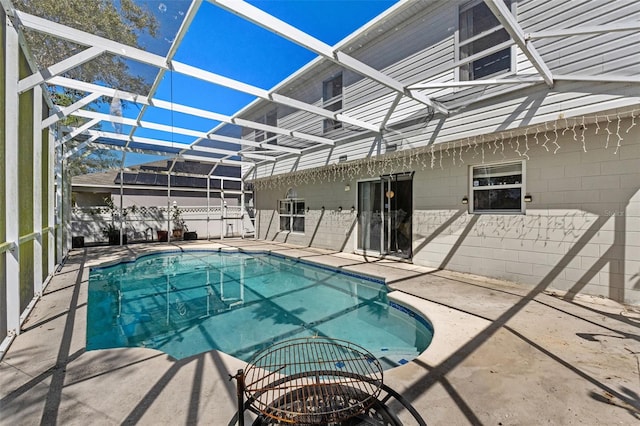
509,22
40,77
291,33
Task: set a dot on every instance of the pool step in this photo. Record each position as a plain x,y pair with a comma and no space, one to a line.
393,357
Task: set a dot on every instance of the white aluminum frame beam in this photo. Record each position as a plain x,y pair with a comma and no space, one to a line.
42,76
76,36
11,180
51,218
79,130
186,22
181,131
66,111
587,30
510,23
159,143
37,192
191,151
390,111
257,156
98,145
489,82
602,78
293,34
76,149
169,155
106,91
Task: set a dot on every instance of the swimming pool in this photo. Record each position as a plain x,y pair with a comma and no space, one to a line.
185,303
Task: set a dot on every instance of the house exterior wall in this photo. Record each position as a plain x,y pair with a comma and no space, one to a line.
328,228
580,233
422,49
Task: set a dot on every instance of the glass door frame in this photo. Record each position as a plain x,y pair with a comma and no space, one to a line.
388,217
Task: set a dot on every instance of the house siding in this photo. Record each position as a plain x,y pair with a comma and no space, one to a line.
422,49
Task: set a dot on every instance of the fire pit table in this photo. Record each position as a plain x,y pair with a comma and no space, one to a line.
313,380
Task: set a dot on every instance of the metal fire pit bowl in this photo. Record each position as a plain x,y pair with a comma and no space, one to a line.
313,380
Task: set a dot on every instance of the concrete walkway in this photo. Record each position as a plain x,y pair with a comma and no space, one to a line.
502,355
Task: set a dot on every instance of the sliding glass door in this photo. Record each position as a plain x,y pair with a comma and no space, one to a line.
385,210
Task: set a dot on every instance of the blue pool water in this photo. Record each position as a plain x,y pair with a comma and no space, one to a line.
191,302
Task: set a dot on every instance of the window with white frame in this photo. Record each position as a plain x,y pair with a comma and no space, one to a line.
479,39
497,188
332,101
291,214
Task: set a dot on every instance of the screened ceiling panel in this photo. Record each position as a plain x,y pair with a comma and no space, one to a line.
155,32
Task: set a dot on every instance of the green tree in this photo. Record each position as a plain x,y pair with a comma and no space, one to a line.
122,21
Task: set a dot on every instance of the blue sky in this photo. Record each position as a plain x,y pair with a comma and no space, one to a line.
223,43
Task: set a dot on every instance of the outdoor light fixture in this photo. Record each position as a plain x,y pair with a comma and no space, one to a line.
390,194
347,187
528,198
465,200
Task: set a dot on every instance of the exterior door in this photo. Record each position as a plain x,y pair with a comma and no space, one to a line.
370,216
385,210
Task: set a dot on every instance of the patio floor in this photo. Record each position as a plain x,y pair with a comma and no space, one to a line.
502,354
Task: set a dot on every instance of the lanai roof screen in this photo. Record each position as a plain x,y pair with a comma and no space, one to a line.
169,77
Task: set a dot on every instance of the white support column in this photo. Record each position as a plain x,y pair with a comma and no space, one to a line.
58,208
121,215
51,222
208,204
169,203
37,191
242,209
11,179
223,209
66,196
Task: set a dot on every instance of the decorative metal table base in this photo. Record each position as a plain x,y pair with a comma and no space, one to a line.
316,381
379,414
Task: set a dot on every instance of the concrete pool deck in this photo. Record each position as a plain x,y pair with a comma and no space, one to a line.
503,354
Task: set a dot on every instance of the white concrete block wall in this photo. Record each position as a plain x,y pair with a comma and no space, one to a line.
330,228
581,232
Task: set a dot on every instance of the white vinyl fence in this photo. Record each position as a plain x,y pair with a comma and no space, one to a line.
143,223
